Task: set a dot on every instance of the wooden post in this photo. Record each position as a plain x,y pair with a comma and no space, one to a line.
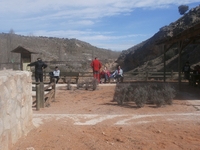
164,63
42,94
44,74
179,64
37,96
147,74
54,88
172,74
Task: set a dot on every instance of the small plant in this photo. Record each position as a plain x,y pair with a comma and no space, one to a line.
69,87
94,84
91,84
80,85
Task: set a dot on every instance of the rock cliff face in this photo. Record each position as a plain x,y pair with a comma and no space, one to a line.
139,55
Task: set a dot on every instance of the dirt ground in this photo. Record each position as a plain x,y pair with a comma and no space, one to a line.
91,120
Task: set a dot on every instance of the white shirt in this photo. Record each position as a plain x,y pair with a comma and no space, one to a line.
56,73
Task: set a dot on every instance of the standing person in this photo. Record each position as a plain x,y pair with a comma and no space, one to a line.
39,66
118,74
96,66
186,70
56,74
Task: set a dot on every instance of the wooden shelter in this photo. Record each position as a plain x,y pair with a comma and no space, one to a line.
181,41
25,56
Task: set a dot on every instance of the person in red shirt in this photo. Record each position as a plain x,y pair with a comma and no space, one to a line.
96,66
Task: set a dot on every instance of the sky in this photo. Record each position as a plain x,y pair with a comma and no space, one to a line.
111,24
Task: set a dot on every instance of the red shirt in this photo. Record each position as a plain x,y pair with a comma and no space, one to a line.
96,65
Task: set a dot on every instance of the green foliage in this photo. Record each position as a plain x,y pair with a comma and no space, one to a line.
182,9
170,54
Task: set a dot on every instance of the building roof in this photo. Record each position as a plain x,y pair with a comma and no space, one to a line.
191,34
23,50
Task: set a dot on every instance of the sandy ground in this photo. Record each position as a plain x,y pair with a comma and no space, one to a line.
91,120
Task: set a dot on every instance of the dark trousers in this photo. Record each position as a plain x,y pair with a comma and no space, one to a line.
119,78
39,77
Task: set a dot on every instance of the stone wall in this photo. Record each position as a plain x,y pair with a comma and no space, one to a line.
15,106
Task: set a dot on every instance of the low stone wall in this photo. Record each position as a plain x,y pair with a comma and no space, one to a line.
15,106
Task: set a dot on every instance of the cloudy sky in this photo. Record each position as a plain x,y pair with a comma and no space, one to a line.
111,24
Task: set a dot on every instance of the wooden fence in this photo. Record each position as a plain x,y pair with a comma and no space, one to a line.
44,94
132,76
146,76
141,76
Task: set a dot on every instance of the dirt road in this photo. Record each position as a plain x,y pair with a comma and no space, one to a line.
90,120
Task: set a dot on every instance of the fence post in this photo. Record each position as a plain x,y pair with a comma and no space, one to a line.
42,94
147,74
37,96
172,75
54,88
44,74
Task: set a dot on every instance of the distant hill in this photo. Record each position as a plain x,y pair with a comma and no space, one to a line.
76,53
148,56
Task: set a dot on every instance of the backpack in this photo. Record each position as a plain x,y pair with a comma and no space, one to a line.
51,74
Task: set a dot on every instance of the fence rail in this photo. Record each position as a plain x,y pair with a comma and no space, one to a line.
145,76
132,76
44,94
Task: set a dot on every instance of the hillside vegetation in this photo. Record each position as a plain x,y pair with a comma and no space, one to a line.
76,54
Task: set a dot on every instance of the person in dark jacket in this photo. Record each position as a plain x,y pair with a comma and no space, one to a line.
186,70
39,66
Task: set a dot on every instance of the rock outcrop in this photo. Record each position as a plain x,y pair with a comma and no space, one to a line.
147,51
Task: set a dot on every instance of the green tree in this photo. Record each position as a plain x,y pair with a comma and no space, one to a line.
182,9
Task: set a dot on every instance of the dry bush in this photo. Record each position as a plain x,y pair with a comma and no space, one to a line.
80,85
123,93
88,84
168,94
69,87
158,94
140,96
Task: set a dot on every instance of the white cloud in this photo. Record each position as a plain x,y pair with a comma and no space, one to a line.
85,9
73,18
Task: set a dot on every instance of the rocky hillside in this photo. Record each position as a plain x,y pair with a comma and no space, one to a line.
147,55
76,53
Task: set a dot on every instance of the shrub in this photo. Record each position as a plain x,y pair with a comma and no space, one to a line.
91,83
158,94
140,96
157,98
69,87
168,94
123,93
80,85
